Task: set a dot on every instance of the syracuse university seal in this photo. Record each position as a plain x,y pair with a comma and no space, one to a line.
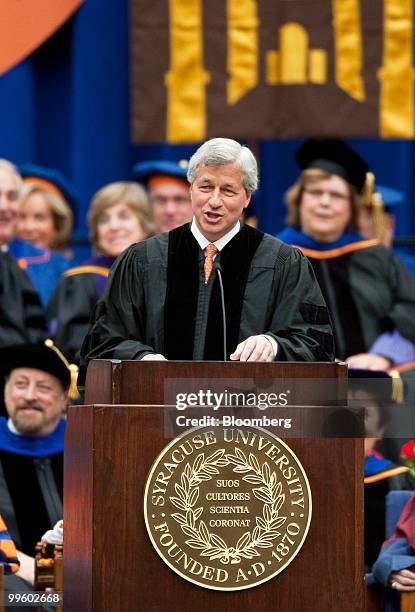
227,508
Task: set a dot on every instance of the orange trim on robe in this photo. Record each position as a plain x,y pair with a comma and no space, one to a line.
331,253
404,367
87,270
23,262
386,474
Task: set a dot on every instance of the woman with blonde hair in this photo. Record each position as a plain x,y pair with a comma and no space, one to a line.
45,218
369,292
119,216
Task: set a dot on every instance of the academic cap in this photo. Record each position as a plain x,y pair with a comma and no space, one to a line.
335,157
45,357
385,386
51,180
145,170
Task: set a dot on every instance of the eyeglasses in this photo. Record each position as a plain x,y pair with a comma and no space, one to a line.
334,196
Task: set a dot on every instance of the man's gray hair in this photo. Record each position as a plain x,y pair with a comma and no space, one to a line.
5,164
223,151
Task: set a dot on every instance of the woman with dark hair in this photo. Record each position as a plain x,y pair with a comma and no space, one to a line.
369,292
119,216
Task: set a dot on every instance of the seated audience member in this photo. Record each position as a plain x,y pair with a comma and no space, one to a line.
38,381
43,267
377,219
378,393
45,215
8,553
168,191
54,536
18,576
163,299
22,319
118,217
368,291
397,555
10,563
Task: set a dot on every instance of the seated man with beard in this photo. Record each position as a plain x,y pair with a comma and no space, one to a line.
38,383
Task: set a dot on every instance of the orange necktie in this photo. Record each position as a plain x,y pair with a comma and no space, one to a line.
210,252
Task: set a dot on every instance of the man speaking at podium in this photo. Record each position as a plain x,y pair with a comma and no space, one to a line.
214,289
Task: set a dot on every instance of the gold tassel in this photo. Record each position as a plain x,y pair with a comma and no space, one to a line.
73,387
73,369
397,386
368,189
373,199
379,217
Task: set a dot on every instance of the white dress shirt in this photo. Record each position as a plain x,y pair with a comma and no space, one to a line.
220,244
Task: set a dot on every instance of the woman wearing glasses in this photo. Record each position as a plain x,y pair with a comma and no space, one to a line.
369,292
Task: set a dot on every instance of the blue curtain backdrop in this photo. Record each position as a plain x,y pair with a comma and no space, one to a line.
68,107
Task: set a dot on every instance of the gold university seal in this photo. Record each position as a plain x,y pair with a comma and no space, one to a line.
227,508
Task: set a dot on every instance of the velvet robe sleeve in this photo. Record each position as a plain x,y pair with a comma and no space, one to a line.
300,320
402,283
69,311
395,347
22,319
118,329
395,556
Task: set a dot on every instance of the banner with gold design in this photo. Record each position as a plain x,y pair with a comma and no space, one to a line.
259,69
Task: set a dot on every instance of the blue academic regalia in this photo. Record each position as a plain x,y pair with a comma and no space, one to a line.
44,267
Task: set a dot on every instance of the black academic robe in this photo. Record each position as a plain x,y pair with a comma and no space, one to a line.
31,483
71,304
156,300
22,319
367,289
31,493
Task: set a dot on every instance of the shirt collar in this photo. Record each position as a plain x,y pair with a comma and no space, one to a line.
12,428
221,243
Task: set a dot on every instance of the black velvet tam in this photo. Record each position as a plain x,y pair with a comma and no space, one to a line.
37,356
335,157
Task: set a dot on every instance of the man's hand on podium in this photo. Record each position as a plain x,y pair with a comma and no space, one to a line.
254,348
154,357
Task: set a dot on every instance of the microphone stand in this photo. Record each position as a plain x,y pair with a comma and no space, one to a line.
222,295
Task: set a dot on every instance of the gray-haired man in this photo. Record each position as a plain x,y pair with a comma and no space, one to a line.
163,299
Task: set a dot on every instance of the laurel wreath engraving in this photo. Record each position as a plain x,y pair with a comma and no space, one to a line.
210,544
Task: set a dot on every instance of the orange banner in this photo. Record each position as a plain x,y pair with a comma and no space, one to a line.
26,24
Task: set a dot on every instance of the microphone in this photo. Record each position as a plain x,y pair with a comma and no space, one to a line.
218,267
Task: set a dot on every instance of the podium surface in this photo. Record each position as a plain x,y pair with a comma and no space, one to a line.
142,382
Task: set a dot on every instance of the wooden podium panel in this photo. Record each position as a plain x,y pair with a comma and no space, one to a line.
142,382
110,563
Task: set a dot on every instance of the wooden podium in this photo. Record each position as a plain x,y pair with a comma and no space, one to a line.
111,443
